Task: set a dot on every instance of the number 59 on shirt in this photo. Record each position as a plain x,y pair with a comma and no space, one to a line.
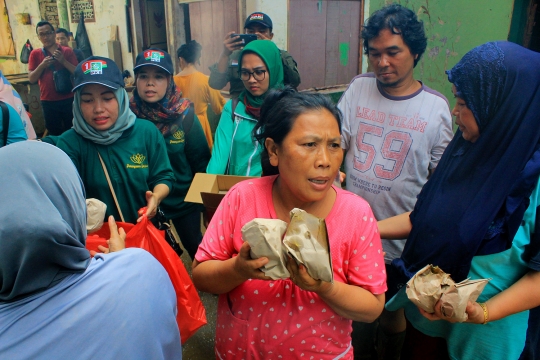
395,147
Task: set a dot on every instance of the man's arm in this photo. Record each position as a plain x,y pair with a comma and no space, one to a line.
34,75
69,61
444,136
218,72
229,45
290,69
217,79
395,227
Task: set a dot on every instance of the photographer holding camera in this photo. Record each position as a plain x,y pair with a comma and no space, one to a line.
226,69
43,64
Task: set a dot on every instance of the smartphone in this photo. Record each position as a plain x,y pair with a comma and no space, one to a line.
245,38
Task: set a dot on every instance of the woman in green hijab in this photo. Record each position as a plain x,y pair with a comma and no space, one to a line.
235,152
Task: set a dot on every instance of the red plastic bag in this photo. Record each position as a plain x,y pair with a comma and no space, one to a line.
101,236
191,313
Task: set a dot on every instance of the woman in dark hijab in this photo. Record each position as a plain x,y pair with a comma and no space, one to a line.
157,100
55,301
477,216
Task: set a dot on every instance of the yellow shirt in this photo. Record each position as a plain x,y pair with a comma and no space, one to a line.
195,87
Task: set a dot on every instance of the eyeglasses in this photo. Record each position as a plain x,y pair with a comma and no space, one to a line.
45,34
257,75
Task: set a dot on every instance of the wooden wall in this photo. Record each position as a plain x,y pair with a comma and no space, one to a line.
324,40
210,20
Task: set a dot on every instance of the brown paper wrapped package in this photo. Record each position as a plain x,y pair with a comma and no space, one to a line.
430,284
455,298
306,240
264,237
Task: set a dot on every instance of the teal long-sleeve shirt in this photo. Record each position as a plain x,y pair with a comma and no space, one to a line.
136,163
235,152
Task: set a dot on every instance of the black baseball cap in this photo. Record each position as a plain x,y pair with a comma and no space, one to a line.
97,70
155,57
259,18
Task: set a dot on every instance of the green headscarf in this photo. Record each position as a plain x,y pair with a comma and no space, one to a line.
270,54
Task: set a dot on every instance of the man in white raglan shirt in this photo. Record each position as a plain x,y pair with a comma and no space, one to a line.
395,130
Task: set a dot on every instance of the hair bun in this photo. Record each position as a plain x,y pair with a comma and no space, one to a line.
194,46
191,51
274,96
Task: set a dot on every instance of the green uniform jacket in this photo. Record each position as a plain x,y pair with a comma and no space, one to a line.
218,80
50,139
136,162
234,141
188,154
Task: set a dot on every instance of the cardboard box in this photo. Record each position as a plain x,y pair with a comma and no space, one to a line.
209,189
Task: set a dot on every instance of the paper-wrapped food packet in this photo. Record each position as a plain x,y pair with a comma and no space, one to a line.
95,214
426,287
430,284
264,236
306,240
455,298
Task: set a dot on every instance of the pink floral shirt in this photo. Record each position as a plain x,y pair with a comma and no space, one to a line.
276,319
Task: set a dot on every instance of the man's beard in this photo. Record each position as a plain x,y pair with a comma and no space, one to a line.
389,84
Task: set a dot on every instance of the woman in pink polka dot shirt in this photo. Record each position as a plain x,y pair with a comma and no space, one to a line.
298,317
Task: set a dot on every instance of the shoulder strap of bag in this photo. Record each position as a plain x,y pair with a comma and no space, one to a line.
45,54
5,121
234,105
111,187
188,120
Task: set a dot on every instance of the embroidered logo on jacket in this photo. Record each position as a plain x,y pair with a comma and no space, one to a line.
179,136
138,160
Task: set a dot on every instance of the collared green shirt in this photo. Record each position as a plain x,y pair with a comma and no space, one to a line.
188,154
136,163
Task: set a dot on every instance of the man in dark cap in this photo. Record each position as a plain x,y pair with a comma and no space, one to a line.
226,68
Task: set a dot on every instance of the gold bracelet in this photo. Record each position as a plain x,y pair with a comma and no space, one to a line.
486,313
